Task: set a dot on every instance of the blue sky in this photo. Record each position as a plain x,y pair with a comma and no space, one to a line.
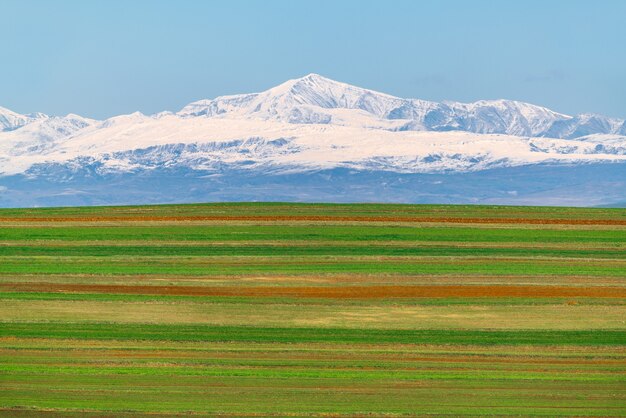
103,58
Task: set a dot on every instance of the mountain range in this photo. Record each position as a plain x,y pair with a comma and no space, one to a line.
315,139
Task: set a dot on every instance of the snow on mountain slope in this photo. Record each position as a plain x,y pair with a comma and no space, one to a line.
309,100
315,123
140,142
583,125
280,102
10,120
318,100
505,116
38,137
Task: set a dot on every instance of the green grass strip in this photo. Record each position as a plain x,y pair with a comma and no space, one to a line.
301,265
309,250
366,209
224,233
310,373
107,331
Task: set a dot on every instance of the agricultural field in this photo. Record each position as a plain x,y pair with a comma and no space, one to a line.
275,309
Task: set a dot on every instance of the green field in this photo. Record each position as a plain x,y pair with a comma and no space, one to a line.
273,309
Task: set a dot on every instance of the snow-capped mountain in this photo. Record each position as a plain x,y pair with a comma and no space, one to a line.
318,100
10,120
303,126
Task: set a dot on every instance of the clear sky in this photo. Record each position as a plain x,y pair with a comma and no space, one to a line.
103,58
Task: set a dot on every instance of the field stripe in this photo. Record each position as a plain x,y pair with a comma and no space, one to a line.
333,292
321,218
209,333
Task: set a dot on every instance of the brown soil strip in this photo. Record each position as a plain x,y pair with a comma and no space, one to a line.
344,292
264,218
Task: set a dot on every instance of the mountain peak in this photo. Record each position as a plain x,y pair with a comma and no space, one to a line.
10,120
310,81
315,99
316,77
309,99
312,78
